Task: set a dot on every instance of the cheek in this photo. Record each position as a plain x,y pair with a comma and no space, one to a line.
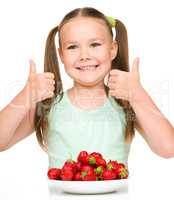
104,55
69,59
69,63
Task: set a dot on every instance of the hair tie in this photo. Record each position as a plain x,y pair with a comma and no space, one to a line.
111,21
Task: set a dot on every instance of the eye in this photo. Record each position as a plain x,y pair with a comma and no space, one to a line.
72,47
95,44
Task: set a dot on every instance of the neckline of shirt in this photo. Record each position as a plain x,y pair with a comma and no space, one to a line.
85,111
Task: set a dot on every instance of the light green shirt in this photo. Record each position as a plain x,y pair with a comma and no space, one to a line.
72,130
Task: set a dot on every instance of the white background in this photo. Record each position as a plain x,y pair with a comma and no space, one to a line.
24,26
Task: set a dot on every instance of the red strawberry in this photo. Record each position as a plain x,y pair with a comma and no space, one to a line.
78,166
108,175
88,173
54,173
67,174
96,155
68,168
70,164
100,162
113,165
78,176
123,165
82,157
86,169
91,160
89,177
122,172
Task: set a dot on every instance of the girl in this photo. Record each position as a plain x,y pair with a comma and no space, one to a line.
92,115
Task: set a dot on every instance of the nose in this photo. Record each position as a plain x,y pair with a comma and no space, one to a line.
84,54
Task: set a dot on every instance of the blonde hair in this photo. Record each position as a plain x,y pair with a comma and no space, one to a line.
51,64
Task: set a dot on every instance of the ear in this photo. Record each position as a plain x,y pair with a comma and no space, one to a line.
114,49
60,54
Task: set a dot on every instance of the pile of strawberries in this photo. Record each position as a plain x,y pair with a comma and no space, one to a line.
89,167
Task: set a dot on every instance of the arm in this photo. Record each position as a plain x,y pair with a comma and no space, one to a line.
16,121
17,118
152,124
25,128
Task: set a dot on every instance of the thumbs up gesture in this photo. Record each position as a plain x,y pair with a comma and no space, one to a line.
39,86
123,85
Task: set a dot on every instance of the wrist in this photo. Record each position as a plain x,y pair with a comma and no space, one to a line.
137,95
26,97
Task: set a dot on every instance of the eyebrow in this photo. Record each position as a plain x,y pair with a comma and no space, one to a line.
90,40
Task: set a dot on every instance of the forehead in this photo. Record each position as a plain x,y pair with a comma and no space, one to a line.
83,28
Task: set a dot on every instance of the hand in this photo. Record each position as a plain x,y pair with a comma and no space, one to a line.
39,86
123,85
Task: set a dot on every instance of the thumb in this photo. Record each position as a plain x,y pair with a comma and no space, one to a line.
135,67
32,67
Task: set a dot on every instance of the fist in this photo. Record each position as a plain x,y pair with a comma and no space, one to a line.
39,86
122,85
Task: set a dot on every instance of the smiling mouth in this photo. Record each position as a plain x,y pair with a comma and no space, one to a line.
87,68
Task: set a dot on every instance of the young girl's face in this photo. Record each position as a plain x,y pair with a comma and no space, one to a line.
86,50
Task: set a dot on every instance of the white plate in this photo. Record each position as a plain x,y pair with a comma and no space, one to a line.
88,187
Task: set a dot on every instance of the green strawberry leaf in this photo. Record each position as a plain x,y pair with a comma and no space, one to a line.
84,174
92,161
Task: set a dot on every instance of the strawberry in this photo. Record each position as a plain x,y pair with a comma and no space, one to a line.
68,170
82,157
108,175
88,173
122,164
67,174
89,177
100,162
95,160
122,172
78,176
113,165
54,173
70,164
96,155
99,172
78,166
87,169
91,160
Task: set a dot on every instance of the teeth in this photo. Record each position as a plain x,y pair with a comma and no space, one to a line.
89,67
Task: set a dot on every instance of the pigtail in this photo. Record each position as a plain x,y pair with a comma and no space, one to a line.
42,108
122,59
51,60
121,62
